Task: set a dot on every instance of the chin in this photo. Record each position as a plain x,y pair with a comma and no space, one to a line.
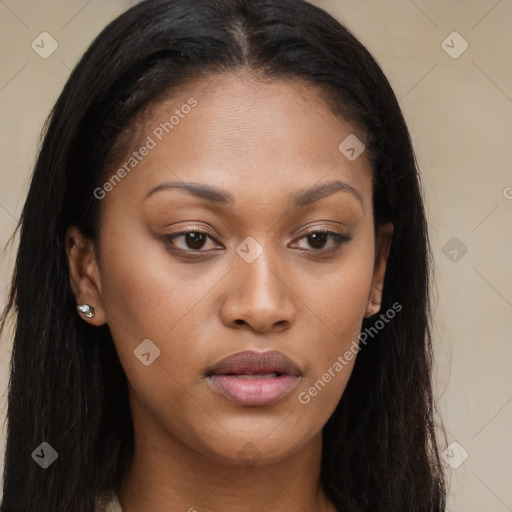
254,446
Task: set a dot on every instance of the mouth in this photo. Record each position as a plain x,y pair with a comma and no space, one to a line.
254,378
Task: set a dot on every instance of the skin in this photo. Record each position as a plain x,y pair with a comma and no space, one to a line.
260,142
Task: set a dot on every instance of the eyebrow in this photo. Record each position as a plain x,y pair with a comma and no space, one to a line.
299,199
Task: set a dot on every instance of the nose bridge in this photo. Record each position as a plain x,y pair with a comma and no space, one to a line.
260,296
258,277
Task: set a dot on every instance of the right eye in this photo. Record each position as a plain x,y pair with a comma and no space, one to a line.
191,240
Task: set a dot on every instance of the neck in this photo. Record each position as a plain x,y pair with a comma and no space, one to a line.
167,474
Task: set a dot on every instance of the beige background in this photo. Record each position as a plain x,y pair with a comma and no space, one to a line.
459,112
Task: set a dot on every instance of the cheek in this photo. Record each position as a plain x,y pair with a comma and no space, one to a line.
337,302
339,294
320,393
147,297
148,313
341,297
144,295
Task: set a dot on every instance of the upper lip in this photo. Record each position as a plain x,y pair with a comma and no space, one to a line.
251,362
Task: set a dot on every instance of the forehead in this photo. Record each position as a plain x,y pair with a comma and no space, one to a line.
244,135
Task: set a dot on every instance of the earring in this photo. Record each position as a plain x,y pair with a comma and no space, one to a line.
374,307
86,310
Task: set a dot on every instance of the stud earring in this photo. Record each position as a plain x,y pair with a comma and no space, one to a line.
86,310
374,307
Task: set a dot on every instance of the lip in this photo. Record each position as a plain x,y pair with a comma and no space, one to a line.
245,377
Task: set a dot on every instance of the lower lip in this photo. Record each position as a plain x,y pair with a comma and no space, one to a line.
254,392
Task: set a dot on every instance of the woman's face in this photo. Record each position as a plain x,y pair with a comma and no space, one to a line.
257,170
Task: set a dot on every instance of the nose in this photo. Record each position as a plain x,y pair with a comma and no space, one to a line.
258,296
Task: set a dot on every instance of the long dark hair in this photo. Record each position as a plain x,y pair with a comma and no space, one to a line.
67,386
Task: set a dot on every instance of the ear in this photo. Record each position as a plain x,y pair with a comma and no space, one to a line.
383,240
84,274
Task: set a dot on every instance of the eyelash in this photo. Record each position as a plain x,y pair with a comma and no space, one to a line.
338,239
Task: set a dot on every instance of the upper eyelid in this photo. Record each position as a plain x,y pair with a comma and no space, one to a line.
206,232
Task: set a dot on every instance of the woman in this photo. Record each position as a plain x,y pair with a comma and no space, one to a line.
222,282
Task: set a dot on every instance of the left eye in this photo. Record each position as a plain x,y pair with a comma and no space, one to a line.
318,239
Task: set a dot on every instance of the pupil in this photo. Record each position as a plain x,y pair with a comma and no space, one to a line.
318,240
195,240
